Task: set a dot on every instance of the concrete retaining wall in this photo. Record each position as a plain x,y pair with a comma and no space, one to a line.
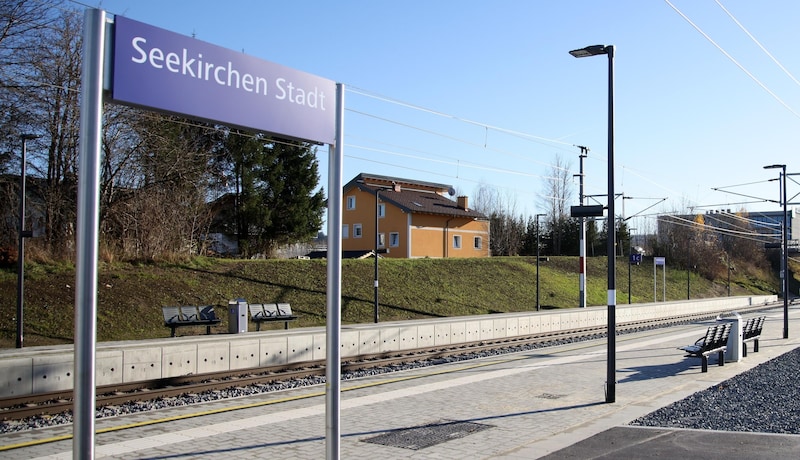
43,369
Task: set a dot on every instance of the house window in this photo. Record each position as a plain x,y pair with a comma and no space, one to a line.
345,231
381,240
356,230
351,202
457,241
478,242
381,210
394,239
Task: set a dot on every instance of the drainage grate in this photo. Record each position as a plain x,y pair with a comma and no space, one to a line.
420,437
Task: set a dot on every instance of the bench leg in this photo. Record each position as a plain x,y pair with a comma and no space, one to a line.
258,326
744,349
286,324
704,365
721,358
172,334
755,346
208,330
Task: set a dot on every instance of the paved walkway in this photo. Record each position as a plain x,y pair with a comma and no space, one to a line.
545,403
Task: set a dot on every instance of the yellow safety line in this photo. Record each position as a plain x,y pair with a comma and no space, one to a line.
250,406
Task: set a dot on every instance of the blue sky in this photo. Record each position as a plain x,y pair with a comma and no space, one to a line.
505,98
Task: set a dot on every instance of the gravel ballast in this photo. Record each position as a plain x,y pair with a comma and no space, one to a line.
764,399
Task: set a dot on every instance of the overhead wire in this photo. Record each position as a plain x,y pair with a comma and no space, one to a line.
732,59
553,143
461,163
677,220
774,59
487,127
447,136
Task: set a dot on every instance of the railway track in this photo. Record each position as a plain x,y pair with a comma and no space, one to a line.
20,408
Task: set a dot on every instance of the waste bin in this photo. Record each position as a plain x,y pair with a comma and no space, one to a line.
237,316
733,353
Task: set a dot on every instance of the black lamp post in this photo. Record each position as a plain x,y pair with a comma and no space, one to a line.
22,235
608,50
538,232
784,251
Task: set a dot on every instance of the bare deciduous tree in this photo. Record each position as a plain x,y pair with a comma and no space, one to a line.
557,198
506,229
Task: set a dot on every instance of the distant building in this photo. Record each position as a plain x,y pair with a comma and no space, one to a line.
415,219
771,222
768,223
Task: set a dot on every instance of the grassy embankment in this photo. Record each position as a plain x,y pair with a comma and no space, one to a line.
130,295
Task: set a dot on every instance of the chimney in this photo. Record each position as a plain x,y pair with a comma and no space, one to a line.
462,202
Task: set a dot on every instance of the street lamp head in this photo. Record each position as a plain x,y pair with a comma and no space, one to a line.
776,166
29,137
593,50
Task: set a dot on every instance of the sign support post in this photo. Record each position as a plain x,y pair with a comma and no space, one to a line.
333,368
87,232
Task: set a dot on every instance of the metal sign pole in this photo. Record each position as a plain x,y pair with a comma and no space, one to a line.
91,113
333,369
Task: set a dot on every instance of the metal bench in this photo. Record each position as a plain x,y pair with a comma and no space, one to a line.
715,341
751,332
270,312
190,315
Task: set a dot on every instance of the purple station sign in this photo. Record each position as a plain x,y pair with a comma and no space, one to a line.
173,73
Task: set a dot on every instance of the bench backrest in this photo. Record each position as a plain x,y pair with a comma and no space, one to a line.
716,336
709,337
284,309
206,313
720,336
262,311
188,314
171,314
755,327
180,314
256,311
748,327
759,325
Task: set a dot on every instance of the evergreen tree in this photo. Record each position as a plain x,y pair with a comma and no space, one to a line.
278,203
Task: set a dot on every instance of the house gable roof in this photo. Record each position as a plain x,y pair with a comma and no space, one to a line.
413,196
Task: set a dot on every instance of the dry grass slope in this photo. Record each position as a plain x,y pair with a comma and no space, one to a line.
130,296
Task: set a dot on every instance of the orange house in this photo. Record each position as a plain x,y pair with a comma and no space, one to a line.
413,219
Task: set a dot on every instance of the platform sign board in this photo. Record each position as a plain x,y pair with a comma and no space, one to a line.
163,71
659,260
168,72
